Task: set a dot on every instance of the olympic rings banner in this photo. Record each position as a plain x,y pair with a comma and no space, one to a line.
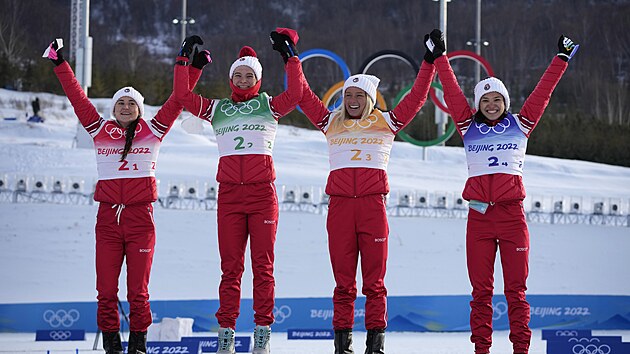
332,98
406,313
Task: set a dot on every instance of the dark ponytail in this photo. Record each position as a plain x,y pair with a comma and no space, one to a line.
130,134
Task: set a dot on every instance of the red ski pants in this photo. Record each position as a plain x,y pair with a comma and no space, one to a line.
124,232
246,211
502,227
358,226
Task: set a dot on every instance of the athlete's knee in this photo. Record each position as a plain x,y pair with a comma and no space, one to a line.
482,296
342,292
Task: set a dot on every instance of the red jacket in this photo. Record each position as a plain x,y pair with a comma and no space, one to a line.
252,168
497,187
120,190
356,182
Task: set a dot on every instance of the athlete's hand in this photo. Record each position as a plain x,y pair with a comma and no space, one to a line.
437,37
201,59
566,48
53,52
283,40
188,44
428,54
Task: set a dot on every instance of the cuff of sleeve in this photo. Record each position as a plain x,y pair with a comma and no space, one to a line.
563,57
62,67
182,61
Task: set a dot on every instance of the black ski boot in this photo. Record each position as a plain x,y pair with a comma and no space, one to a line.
375,342
112,343
137,343
343,342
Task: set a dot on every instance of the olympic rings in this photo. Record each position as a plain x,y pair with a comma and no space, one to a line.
371,60
115,132
591,349
281,313
323,53
566,333
503,125
326,54
332,104
388,54
499,309
61,317
244,108
60,335
450,129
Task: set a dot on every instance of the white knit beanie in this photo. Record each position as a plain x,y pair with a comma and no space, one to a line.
367,83
491,84
247,57
129,92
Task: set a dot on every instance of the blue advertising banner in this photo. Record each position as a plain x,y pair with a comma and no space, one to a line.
170,347
406,313
59,335
310,334
564,334
242,344
597,344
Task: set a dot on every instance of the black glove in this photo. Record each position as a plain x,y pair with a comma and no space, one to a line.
437,37
428,55
566,48
201,59
188,44
53,52
282,44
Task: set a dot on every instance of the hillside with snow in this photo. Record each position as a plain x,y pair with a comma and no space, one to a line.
47,249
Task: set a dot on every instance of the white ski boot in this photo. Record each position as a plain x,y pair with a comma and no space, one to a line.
226,341
261,339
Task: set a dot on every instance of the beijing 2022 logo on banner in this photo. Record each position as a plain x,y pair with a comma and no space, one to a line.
281,313
332,103
61,318
60,335
589,346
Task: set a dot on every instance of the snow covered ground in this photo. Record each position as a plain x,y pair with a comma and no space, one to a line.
395,343
47,250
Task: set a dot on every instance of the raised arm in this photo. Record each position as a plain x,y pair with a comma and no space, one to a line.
404,112
83,108
457,104
283,40
313,107
538,100
172,108
195,104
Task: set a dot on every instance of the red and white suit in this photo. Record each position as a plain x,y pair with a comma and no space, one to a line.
247,200
126,191
357,184
495,152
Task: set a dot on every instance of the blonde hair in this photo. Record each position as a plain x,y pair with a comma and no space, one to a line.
340,114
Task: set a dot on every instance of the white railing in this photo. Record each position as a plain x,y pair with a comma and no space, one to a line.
312,199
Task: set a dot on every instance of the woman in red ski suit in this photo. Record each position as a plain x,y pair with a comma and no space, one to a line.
126,149
495,141
245,126
360,138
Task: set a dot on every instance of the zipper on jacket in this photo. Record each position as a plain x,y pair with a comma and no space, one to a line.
240,165
490,196
354,177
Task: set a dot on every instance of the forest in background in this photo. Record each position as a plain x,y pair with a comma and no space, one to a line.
135,43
